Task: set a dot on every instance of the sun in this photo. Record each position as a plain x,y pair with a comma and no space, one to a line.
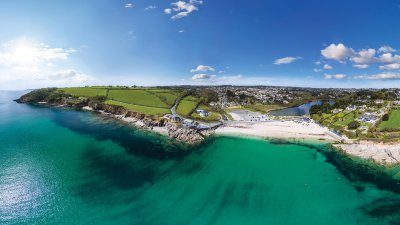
24,53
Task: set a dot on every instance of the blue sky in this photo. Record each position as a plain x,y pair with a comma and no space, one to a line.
168,42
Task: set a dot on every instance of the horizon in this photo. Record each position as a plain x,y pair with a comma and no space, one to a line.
207,86
331,44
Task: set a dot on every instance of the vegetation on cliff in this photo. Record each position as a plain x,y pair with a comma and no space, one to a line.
50,95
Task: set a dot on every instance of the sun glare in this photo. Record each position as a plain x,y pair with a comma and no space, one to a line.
24,53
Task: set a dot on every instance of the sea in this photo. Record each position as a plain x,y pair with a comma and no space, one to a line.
63,166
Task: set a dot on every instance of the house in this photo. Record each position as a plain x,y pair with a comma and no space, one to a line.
396,102
336,110
379,101
203,113
351,108
368,118
189,123
176,119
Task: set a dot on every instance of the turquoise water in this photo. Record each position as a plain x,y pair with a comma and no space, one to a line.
67,167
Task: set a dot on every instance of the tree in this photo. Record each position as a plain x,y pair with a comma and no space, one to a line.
209,96
230,95
353,125
315,109
385,117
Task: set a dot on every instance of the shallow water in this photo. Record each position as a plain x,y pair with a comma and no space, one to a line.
67,167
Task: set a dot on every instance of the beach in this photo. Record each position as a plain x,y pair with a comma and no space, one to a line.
297,129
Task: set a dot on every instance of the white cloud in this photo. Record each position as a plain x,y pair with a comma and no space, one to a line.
389,58
364,56
28,64
167,11
183,8
327,67
337,52
360,66
392,66
128,5
150,7
214,79
317,70
25,55
317,62
380,76
67,76
181,31
335,76
202,76
386,49
286,60
233,77
202,68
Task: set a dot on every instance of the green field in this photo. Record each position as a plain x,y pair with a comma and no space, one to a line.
137,97
393,122
138,108
345,119
85,92
187,105
167,96
215,116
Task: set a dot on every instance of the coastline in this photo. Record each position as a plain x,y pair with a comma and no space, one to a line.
280,129
137,123
293,130
296,132
380,153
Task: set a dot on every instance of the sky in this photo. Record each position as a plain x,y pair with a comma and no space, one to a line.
310,43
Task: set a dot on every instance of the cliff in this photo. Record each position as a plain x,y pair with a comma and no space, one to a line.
55,97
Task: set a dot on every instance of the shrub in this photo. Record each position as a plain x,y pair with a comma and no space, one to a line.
385,117
353,125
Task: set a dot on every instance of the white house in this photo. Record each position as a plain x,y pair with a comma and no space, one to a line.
379,101
368,118
203,113
351,108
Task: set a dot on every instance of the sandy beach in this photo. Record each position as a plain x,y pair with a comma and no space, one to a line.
280,129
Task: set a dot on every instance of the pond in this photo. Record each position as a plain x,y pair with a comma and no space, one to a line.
296,111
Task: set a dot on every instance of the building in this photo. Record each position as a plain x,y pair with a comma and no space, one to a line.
203,113
336,110
368,118
351,108
379,101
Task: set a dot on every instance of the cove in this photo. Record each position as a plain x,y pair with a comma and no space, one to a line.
68,167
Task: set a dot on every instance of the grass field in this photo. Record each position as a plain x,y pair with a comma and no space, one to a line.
215,116
393,122
137,97
187,105
85,92
167,96
141,109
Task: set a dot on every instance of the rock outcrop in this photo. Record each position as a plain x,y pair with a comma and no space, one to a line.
187,135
